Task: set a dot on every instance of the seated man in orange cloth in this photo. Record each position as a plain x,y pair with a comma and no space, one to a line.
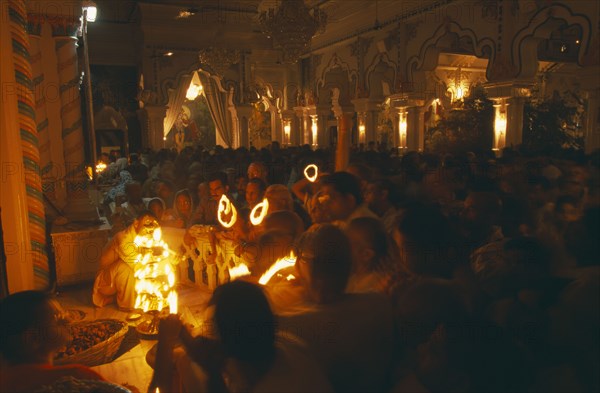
116,275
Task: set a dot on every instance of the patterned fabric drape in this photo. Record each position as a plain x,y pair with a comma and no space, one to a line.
29,141
176,100
218,106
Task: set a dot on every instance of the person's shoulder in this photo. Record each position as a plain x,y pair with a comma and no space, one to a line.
80,371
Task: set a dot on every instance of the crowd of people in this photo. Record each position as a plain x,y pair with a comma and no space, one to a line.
414,272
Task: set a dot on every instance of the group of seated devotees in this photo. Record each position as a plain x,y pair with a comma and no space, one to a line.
419,273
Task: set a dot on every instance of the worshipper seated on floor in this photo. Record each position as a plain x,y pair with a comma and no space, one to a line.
242,350
32,331
181,215
116,275
351,335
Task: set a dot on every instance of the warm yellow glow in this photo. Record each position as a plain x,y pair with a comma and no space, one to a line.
460,93
290,277
238,271
193,91
314,129
100,167
403,127
226,208
173,302
315,174
282,263
257,218
287,129
499,128
361,133
155,277
88,172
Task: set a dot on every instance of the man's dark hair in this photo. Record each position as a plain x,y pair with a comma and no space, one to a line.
245,322
18,313
220,175
344,183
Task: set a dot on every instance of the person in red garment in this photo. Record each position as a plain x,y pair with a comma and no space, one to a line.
32,331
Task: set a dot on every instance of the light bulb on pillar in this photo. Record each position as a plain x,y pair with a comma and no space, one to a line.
287,129
402,128
362,130
314,128
499,128
90,10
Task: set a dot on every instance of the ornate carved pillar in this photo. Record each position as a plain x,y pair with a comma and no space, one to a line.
22,200
323,138
344,141
416,128
301,126
41,117
78,202
289,127
410,123
368,112
509,102
244,113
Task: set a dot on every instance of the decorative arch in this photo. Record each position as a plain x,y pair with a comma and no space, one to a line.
540,27
381,73
337,74
450,37
172,83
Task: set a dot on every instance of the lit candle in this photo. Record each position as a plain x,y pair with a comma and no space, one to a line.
282,263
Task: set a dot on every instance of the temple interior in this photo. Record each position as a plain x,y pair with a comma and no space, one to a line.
300,195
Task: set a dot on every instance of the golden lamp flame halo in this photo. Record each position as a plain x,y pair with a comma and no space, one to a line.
154,274
226,208
315,174
280,264
257,218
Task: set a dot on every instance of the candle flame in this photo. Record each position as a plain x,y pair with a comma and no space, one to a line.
264,209
238,271
100,167
155,277
226,207
281,263
314,176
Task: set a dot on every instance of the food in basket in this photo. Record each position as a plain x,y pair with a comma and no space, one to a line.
86,335
73,385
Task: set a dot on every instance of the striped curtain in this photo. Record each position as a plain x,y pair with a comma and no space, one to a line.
29,141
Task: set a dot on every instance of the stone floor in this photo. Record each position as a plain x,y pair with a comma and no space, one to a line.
131,369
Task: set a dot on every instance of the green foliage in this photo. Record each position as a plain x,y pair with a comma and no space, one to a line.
467,127
552,124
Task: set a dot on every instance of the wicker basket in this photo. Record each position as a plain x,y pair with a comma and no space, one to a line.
102,352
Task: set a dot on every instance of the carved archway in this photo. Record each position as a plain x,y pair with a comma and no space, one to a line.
450,38
336,75
540,27
381,75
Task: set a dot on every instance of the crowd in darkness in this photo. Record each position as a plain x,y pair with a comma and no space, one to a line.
415,272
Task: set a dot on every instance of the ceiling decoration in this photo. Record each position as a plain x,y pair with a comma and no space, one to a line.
219,59
292,26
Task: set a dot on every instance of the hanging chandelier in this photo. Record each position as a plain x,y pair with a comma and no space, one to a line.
219,59
292,26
